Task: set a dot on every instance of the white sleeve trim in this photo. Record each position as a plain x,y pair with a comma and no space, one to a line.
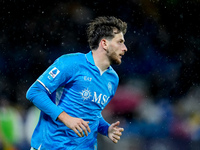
44,86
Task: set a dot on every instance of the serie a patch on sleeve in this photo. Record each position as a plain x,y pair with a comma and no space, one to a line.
53,73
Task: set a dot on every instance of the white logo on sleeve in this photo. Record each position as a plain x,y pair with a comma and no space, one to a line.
54,72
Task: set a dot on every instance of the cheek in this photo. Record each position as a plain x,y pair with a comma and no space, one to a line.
113,55
114,48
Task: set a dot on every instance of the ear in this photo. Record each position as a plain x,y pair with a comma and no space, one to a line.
104,44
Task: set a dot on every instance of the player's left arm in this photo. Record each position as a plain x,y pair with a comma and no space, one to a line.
103,126
112,131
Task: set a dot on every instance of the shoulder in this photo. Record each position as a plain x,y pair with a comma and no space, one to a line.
113,71
71,58
114,74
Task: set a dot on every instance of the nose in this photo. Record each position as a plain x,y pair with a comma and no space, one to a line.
125,48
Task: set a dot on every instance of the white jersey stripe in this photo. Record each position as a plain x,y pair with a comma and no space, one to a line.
44,86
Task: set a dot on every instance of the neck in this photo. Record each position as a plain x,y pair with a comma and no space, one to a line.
100,59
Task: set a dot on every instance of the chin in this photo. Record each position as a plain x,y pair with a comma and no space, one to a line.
117,62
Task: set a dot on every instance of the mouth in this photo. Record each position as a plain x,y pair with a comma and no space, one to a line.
120,55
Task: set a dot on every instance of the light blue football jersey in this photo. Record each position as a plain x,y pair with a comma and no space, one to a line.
77,86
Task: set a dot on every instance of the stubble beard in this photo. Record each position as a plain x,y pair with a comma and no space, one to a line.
114,59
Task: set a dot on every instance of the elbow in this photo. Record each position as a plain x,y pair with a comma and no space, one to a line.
28,94
34,90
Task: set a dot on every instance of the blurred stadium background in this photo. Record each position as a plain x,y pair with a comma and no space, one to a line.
158,99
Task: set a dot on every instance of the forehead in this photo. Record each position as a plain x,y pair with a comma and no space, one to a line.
119,36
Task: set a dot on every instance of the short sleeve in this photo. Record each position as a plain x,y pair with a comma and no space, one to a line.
59,73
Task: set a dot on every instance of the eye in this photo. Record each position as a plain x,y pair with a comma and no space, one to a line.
121,41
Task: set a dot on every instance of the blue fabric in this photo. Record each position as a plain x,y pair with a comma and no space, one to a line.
38,95
75,85
103,126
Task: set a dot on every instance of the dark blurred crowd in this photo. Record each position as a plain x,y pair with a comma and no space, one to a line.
158,96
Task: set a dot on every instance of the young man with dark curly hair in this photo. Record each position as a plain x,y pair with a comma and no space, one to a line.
74,90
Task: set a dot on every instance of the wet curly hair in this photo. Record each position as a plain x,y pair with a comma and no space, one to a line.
103,27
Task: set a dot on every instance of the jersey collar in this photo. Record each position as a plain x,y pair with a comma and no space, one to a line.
90,59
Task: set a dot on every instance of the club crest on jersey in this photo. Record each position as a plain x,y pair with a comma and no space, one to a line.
54,72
